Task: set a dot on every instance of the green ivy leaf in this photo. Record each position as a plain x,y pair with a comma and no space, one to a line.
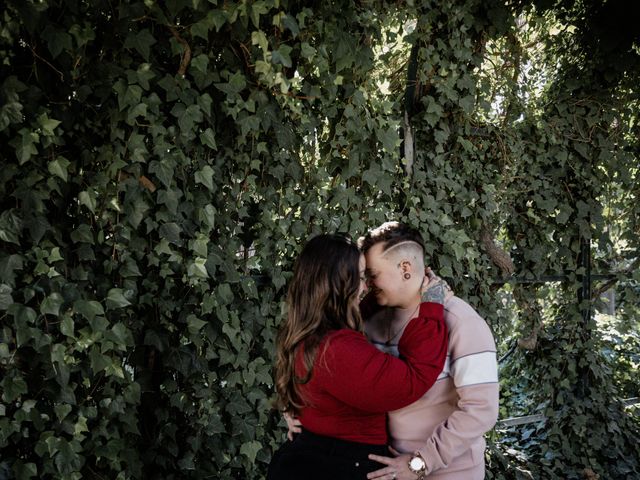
68,460
194,324
197,269
205,177
59,167
116,299
120,335
224,293
57,40
389,138
208,138
142,42
25,145
99,362
236,84
250,450
259,38
83,234
10,227
130,268
282,56
88,200
62,410
51,304
163,169
89,309
12,388
66,326
171,233
48,125
199,246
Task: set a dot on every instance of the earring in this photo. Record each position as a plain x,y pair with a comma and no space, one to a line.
407,276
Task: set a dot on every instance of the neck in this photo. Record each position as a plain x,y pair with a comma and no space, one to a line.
406,311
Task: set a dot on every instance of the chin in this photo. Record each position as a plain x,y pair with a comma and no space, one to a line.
382,300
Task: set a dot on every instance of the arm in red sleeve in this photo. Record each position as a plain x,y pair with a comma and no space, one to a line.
358,374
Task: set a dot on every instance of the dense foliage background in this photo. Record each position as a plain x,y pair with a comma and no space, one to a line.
164,161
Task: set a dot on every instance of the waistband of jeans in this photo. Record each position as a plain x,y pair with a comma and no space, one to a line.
339,446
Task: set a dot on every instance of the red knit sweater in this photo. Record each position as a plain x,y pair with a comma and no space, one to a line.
353,384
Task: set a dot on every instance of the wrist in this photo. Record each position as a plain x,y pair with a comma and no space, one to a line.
438,292
418,465
435,294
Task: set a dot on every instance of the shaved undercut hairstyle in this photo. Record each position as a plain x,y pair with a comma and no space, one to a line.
390,234
408,249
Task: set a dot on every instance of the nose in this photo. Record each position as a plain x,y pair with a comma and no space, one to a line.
363,290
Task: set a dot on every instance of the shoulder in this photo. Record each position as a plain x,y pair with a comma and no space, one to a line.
457,311
344,334
343,339
467,329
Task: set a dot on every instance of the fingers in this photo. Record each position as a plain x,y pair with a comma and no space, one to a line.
427,283
294,425
381,459
394,451
386,473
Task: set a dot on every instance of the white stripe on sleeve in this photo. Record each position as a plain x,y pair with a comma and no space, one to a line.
446,370
475,369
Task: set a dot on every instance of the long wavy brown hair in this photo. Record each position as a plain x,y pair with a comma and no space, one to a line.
322,297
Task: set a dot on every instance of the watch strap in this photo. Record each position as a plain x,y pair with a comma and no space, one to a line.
421,472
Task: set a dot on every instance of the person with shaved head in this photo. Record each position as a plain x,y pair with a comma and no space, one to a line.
440,436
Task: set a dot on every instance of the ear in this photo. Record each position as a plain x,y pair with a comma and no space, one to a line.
405,266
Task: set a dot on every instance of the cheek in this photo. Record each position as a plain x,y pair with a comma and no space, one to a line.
380,284
389,285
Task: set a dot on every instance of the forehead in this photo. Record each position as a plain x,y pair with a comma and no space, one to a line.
375,257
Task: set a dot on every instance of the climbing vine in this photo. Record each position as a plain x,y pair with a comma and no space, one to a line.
164,161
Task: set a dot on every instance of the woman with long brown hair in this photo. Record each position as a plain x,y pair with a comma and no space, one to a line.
332,378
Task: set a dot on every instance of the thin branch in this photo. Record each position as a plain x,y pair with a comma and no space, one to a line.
186,57
609,283
293,95
33,51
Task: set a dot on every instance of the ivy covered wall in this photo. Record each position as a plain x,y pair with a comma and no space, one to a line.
163,162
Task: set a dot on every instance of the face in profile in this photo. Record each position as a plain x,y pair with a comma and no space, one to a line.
384,277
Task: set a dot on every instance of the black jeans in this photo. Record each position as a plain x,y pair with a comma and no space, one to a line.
315,457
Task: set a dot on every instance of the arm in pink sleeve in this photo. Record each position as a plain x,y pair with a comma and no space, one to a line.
475,374
476,414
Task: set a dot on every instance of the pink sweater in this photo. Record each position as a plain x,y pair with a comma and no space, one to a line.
448,423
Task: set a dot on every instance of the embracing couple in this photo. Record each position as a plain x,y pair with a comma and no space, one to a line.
381,372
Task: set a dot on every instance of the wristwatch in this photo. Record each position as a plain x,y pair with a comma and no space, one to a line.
417,465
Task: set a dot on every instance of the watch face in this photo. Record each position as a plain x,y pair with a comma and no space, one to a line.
417,463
